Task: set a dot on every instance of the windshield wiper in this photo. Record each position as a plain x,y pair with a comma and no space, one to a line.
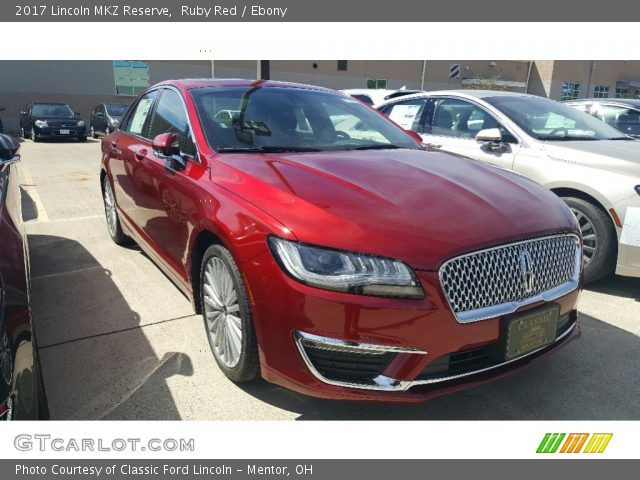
386,146
266,149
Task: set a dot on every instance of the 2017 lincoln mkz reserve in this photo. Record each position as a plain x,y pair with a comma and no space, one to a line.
343,263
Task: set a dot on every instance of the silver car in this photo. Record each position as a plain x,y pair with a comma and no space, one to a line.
592,166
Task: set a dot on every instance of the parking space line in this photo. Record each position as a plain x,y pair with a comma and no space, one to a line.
97,335
67,272
32,189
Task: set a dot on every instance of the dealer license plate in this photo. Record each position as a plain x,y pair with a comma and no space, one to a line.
531,330
65,132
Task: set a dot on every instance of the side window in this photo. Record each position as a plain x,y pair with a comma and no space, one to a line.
407,114
461,119
624,119
170,117
137,120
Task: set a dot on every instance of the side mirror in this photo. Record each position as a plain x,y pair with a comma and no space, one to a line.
8,151
415,136
166,146
491,137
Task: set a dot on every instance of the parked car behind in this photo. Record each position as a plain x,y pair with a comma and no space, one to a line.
621,113
105,118
593,167
21,388
51,120
333,264
376,96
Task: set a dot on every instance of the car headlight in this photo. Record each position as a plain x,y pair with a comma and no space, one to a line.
345,271
81,123
41,123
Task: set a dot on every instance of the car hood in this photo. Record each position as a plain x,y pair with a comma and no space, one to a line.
620,156
417,206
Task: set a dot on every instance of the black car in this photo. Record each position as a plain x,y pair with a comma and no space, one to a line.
620,113
106,118
51,120
21,389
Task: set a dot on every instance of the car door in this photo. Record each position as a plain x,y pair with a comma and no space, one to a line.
128,148
452,125
172,202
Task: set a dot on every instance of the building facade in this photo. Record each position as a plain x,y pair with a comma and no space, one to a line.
84,84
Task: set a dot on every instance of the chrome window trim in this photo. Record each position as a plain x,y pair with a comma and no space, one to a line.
510,307
389,384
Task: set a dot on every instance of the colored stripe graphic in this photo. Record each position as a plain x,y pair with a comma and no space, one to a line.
574,443
597,442
550,442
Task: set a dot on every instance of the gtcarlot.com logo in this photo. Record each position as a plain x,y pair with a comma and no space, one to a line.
574,443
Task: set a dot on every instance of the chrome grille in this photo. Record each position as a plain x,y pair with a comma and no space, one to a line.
499,280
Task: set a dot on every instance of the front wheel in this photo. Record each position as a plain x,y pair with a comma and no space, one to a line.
599,240
25,133
93,132
34,137
227,316
111,213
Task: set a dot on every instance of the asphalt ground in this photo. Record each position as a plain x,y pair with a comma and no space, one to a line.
117,340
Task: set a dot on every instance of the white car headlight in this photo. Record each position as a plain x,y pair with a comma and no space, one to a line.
344,271
41,123
81,123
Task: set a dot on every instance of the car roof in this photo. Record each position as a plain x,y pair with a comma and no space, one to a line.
49,103
468,93
619,101
191,83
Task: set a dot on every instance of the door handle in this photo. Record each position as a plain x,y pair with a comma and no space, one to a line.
140,154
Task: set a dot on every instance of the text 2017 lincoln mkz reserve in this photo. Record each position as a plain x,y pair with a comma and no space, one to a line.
339,262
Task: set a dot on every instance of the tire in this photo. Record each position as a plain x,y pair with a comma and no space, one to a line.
220,283
93,132
599,239
82,138
111,214
33,136
107,130
25,134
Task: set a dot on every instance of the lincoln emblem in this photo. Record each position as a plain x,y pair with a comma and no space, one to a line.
526,270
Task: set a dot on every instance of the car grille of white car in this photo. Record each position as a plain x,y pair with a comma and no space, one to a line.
497,281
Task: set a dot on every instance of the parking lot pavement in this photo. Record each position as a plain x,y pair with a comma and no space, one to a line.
119,341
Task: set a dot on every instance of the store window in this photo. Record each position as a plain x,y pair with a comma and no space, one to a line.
131,77
627,92
570,91
601,91
376,83
342,65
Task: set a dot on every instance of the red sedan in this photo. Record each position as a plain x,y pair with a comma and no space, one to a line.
328,252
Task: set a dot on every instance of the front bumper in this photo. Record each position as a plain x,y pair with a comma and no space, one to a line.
53,131
342,346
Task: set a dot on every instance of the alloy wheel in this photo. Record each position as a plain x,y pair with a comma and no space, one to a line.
110,209
222,312
589,236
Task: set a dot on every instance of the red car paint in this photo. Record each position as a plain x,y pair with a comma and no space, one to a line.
416,206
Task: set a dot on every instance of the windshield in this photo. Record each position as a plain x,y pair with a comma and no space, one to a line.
258,118
546,119
116,110
51,110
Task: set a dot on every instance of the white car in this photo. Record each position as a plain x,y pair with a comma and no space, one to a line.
592,166
375,96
